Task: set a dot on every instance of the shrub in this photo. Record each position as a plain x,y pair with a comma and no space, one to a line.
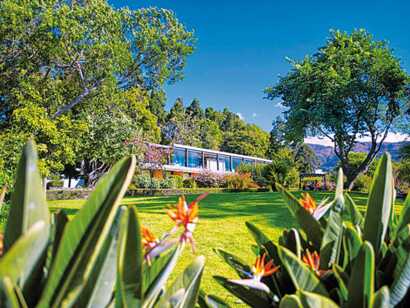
362,183
102,257
190,183
239,181
55,184
335,257
209,179
178,181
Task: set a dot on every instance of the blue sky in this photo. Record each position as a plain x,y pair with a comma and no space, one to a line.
242,45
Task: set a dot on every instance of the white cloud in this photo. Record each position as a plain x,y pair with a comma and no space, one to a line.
240,115
254,115
391,137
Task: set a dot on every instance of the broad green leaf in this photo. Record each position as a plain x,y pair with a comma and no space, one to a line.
130,260
332,240
352,243
100,287
210,301
85,235
28,201
379,204
382,298
351,209
252,297
303,277
152,271
241,268
291,240
183,293
290,301
361,282
306,221
404,215
309,299
401,276
158,283
263,241
8,296
20,260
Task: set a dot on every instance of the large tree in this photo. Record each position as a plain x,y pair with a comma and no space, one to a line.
64,62
353,86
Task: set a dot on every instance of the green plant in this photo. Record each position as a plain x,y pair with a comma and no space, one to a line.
336,257
190,183
362,183
178,181
239,181
102,257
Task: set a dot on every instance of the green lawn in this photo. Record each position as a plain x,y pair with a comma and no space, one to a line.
221,225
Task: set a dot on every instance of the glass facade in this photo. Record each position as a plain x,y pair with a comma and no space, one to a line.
178,157
194,159
248,161
226,162
236,162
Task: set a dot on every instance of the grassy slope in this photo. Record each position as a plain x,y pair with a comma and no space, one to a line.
222,225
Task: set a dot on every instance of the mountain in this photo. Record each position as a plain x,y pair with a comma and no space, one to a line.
328,159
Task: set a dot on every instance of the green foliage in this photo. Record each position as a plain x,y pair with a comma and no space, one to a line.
335,259
239,181
283,169
79,78
352,86
99,258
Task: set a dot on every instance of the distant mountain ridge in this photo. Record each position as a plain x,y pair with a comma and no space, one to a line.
328,158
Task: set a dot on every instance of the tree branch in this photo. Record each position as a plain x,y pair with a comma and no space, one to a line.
86,92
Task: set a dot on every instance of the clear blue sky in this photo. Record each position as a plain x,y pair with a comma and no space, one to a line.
242,45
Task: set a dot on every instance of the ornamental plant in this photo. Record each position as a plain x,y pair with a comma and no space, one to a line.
102,257
337,256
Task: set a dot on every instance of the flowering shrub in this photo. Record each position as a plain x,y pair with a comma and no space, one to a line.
209,179
240,181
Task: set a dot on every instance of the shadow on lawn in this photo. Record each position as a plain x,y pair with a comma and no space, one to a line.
265,208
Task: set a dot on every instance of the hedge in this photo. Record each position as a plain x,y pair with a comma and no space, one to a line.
70,194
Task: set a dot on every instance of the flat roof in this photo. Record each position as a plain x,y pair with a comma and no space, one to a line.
176,145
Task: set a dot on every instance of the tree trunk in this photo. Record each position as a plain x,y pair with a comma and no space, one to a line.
3,193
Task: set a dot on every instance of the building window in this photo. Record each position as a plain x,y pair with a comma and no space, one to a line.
224,163
235,163
178,157
194,159
248,161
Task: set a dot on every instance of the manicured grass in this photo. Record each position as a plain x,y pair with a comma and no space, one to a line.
221,225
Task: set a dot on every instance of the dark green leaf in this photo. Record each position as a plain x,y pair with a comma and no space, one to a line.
241,268
303,278
253,297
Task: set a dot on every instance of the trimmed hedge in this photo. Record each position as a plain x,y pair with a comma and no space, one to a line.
72,194
68,194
